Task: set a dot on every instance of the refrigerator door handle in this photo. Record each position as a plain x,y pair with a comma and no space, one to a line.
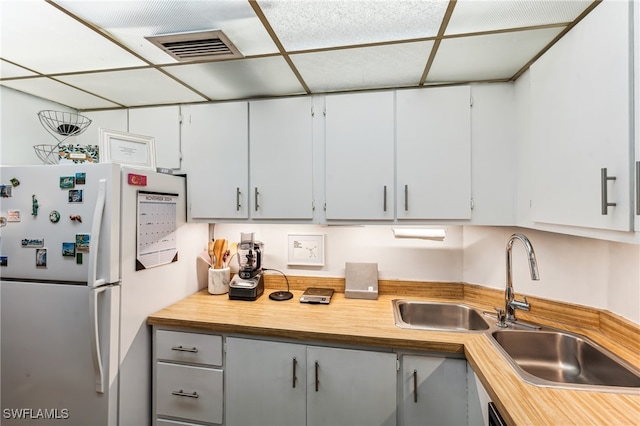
95,234
95,339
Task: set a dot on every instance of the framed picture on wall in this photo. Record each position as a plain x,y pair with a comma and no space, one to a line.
306,250
127,148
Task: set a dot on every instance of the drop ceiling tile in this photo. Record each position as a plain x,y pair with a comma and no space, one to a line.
38,36
487,57
129,22
245,78
392,65
474,16
134,87
302,25
55,91
8,70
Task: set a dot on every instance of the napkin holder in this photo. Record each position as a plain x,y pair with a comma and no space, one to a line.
361,281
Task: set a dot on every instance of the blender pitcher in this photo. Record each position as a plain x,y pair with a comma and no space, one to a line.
249,256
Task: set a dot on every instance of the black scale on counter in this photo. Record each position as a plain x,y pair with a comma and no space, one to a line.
317,295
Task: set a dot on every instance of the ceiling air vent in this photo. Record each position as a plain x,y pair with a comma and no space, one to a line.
197,46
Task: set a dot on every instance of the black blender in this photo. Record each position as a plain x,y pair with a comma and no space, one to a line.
248,283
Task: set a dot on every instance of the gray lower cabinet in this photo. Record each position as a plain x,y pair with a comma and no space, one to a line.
478,400
434,391
273,383
188,378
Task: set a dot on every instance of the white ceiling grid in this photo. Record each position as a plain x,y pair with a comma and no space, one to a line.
92,54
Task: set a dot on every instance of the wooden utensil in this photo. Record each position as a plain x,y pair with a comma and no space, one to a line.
233,250
225,247
219,247
210,251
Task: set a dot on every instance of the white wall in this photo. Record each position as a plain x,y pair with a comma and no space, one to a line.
403,259
20,128
585,271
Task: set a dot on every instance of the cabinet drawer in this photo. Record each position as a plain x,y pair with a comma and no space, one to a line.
188,392
189,347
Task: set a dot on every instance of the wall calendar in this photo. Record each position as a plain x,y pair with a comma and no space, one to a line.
156,229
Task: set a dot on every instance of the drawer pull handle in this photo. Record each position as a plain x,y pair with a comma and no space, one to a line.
185,394
183,349
415,385
317,366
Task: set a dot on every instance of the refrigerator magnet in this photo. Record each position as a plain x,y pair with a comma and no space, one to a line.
32,242
137,180
41,258
68,249
81,178
5,191
82,242
75,196
14,181
4,261
54,216
3,221
34,205
13,216
79,258
67,182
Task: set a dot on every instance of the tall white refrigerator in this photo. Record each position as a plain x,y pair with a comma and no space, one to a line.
87,252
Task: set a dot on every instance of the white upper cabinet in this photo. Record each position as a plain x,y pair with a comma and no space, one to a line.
359,172
580,121
281,158
110,120
433,153
216,159
163,124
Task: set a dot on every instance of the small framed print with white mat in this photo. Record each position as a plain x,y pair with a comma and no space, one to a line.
306,250
127,148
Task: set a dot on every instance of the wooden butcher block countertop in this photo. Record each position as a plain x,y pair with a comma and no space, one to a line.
371,323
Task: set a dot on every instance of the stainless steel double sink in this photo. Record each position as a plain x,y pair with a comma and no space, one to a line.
542,356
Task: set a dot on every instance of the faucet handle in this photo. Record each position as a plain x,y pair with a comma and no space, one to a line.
523,305
501,317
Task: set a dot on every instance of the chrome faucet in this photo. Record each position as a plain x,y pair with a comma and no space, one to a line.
510,302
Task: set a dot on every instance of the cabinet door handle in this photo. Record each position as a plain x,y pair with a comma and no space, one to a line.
255,197
295,363
317,365
406,198
183,349
384,204
238,199
185,394
638,187
604,179
415,385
